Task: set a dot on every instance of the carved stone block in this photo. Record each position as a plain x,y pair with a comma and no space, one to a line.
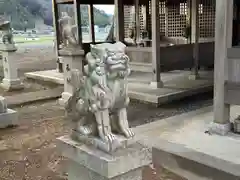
89,163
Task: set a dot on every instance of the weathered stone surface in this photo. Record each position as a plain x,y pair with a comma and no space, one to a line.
3,105
98,105
192,164
72,59
220,129
90,164
11,80
9,118
12,84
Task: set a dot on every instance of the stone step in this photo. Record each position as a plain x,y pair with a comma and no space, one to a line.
31,97
142,67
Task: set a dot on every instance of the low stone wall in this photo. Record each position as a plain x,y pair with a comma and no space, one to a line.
174,57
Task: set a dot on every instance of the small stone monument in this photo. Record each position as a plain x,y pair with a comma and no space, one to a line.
71,53
11,80
102,145
8,117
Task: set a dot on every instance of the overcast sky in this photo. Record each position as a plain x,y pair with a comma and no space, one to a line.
109,9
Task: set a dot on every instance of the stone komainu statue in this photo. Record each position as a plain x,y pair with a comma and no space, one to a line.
98,104
67,31
6,31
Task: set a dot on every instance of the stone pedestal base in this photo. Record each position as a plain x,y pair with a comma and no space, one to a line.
10,118
193,76
12,84
236,126
64,98
89,163
220,129
156,85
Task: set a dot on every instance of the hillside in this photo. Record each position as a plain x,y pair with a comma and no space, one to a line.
24,12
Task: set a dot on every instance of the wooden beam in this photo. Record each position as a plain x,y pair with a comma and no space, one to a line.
77,14
223,41
156,81
91,22
137,20
195,35
56,23
119,13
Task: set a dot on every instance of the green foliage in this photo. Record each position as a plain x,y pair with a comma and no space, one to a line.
100,17
23,13
20,15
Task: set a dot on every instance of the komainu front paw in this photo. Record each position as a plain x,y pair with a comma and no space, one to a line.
109,138
128,133
85,130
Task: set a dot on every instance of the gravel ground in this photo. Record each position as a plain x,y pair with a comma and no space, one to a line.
28,152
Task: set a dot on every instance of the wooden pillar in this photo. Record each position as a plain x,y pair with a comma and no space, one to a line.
156,81
144,14
57,35
147,18
91,22
166,21
119,13
223,41
137,21
77,14
195,37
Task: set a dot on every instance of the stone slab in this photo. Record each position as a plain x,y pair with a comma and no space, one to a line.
8,47
12,84
103,164
185,140
192,164
176,85
47,76
71,52
142,67
10,118
30,97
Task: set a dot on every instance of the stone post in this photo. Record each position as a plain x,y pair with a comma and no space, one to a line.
223,41
195,38
8,117
156,81
11,80
72,59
